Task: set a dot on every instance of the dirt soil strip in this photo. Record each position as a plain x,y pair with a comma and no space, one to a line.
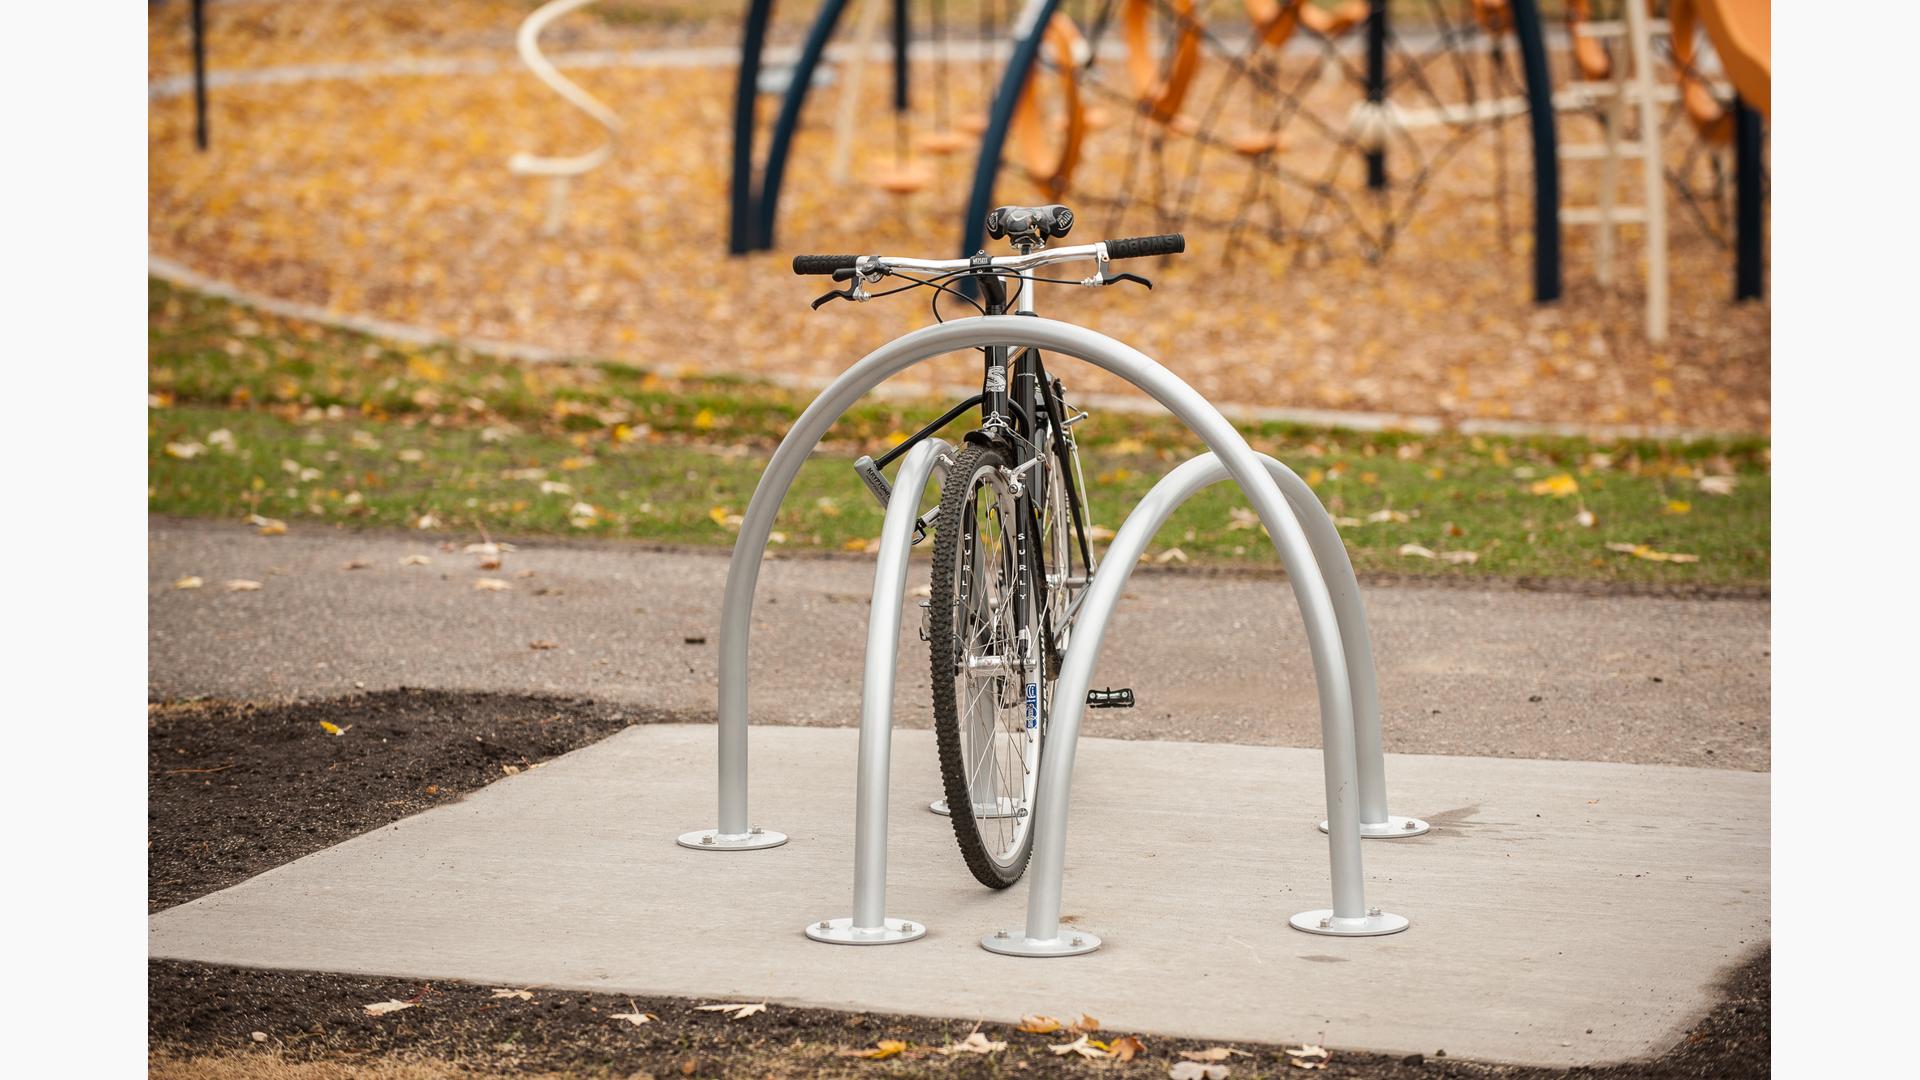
201,1022
236,789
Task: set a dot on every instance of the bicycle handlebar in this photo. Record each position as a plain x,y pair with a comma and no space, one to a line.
1135,247
823,264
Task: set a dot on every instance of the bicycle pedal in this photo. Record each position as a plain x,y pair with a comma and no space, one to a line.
1110,699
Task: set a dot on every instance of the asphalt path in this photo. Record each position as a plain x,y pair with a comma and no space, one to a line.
1496,671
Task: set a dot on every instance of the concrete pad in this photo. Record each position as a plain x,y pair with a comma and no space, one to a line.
1563,912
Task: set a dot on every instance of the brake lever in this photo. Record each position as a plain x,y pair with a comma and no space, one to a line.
836,294
1135,278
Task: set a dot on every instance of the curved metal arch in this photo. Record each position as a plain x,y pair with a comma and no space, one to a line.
1349,915
869,925
1029,29
735,830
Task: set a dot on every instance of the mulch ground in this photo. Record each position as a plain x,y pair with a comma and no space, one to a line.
198,1011
236,789
390,197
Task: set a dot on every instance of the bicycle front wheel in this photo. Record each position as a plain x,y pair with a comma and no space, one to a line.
990,687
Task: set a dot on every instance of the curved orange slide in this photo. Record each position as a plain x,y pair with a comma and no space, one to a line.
1742,33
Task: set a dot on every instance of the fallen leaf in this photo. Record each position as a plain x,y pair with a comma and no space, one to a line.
1642,551
634,1016
1586,519
1099,533
1078,1046
1460,558
1086,1023
382,1008
1308,1056
355,564
415,560
1559,485
185,451
267,526
1172,554
489,584
259,1036
1383,516
1193,1070
426,521
510,770
1677,506
517,995
1039,1025
543,645
1717,485
334,729
243,585
975,1043
1416,551
885,1048
1126,1048
739,1011
1213,1053
1240,517
188,582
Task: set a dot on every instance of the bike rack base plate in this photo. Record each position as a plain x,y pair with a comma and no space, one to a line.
1009,943
981,811
715,840
843,932
1323,921
1394,828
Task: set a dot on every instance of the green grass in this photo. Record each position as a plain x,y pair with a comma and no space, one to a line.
334,427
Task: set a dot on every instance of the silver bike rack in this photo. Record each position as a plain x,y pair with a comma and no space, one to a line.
1309,548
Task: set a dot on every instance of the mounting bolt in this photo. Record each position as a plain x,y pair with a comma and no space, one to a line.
1325,921
1409,826
1373,912
1077,942
906,927
1001,934
753,830
707,839
826,924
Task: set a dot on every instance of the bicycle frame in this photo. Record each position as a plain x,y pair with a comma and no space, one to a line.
1022,414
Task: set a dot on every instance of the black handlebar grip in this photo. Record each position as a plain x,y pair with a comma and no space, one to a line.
1137,247
823,264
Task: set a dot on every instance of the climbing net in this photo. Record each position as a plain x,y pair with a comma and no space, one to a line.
1302,123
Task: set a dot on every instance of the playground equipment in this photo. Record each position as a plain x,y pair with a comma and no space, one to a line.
1303,534
1190,91
560,170
1719,117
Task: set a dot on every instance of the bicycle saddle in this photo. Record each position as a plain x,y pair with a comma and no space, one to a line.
1030,226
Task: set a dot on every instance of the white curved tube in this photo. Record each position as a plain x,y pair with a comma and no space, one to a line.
1329,661
876,692
528,43
1306,571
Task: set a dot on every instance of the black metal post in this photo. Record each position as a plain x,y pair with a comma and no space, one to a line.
1377,85
740,228
987,166
199,74
1749,245
902,31
1546,151
782,139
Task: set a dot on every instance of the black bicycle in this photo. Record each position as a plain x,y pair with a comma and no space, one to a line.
1011,553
